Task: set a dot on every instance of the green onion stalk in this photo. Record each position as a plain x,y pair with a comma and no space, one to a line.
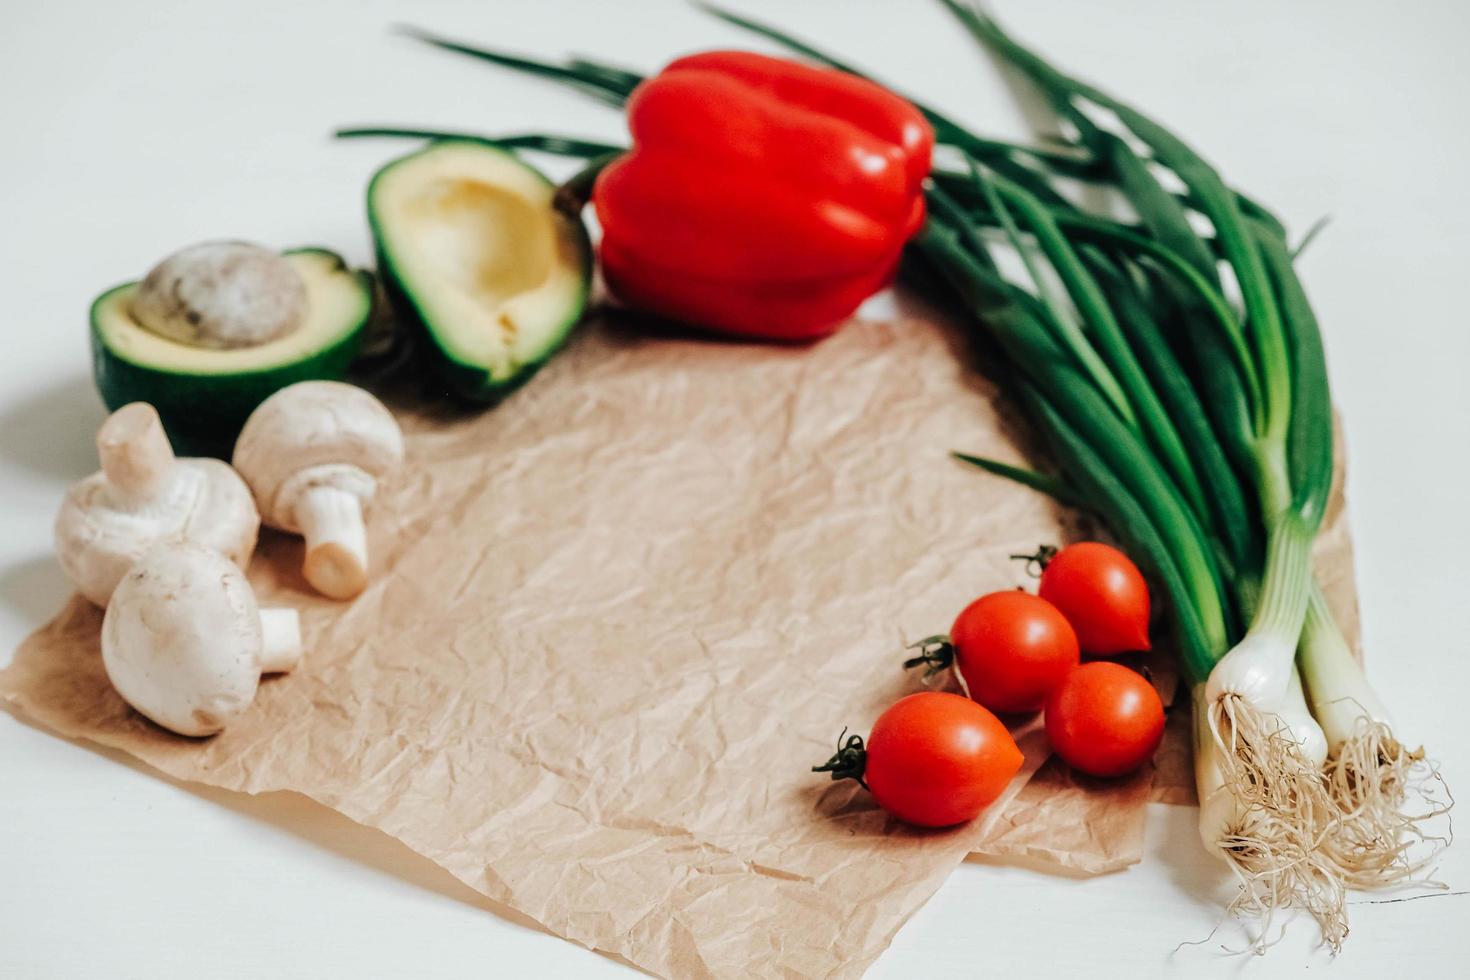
1272,749
1263,803
1390,796
1386,792
1200,434
1255,698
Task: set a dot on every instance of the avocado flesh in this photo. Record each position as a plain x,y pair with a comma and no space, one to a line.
204,395
472,249
336,305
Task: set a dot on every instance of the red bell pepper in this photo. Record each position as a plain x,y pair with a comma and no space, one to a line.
762,197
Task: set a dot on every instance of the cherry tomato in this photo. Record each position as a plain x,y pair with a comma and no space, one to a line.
1105,719
1012,649
936,759
1102,594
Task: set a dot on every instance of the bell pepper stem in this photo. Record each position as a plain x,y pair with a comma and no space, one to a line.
572,196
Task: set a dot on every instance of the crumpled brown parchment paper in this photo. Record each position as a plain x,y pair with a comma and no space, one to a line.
615,620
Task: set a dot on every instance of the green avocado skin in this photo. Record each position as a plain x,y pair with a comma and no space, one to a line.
468,382
459,379
204,413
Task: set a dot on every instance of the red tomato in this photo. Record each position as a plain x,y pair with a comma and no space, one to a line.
1012,649
1105,719
1102,594
936,759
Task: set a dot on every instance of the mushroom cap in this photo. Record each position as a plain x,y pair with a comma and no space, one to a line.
182,641
222,295
98,538
223,518
340,433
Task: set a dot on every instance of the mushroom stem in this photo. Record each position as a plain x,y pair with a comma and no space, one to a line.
135,452
280,631
336,541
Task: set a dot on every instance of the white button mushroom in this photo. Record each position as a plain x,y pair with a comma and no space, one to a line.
314,453
222,295
144,495
184,642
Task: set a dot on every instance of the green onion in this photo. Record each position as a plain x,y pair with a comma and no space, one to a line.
1061,320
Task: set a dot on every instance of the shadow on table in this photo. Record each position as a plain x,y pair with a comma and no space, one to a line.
51,431
1196,872
1037,865
35,588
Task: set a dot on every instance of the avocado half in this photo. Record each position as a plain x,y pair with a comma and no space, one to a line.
471,249
204,395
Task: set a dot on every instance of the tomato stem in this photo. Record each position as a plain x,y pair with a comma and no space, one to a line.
1036,563
935,651
849,762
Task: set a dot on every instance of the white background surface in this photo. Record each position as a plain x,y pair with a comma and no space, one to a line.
132,128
